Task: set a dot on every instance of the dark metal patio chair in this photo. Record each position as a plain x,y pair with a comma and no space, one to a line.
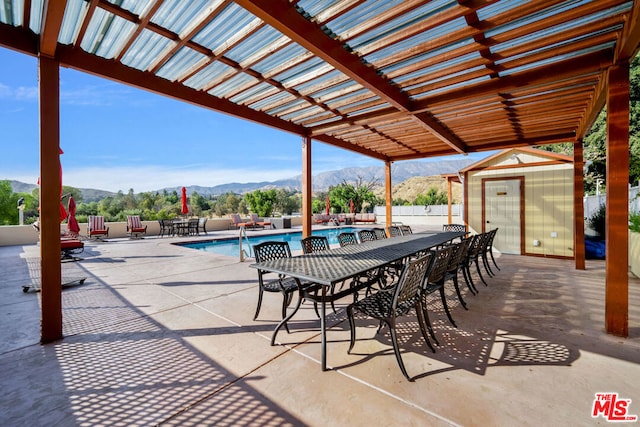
347,238
435,282
456,264
287,286
454,227
314,244
394,231
379,233
388,305
366,236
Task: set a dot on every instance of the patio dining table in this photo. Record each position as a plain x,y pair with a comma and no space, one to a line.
334,266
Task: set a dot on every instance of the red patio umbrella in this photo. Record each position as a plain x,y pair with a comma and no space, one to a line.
327,205
352,207
63,211
185,208
72,222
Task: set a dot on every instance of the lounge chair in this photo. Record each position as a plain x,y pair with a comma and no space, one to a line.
69,248
236,222
96,227
135,227
260,222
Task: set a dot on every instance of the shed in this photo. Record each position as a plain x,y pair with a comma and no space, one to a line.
528,195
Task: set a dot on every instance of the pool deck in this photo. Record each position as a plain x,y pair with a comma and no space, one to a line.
164,335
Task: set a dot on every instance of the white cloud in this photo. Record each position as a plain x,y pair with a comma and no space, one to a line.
19,93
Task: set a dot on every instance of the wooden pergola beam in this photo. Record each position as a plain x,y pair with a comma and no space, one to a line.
281,16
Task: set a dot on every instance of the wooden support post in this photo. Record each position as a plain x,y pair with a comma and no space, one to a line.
449,196
578,206
388,193
51,275
617,184
306,187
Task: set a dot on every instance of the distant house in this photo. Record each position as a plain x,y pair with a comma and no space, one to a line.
528,195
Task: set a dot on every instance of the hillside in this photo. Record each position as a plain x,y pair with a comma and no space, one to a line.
410,188
410,179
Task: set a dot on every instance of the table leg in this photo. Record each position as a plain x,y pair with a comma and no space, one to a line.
323,328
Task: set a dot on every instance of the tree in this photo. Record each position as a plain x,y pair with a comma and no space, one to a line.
287,202
433,196
8,204
261,202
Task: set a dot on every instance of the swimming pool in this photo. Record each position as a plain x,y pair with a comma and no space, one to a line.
230,247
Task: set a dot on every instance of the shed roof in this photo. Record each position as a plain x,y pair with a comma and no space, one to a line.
551,156
394,80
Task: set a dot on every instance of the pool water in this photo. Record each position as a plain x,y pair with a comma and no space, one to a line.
230,247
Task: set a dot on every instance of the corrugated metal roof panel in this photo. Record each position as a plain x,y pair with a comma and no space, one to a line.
106,34
145,50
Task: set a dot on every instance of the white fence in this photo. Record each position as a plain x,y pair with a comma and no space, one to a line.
592,203
419,210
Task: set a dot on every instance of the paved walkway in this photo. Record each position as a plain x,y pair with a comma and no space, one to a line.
162,334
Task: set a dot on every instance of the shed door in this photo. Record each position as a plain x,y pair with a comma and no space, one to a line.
502,210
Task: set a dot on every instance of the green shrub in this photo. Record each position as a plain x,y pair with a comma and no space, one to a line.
634,221
597,221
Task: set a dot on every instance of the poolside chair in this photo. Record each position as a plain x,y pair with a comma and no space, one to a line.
406,229
259,222
379,233
435,282
347,238
394,231
166,227
202,225
192,227
456,263
388,305
236,222
135,227
69,248
454,227
287,286
488,250
96,228
366,236
314,244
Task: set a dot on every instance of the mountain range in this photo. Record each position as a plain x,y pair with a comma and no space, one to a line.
321,182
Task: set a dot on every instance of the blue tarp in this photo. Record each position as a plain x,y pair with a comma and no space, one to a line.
594,249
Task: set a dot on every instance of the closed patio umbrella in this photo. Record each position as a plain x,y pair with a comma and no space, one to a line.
351,206
327,205
72,222
185,208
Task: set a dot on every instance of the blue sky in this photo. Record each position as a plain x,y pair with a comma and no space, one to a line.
116,137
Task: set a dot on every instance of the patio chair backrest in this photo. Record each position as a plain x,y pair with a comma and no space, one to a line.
454,227
95,222
440,264
459,254
347,238
366,236
394,231
406,229
379,233
133,221
411,281
270,250
314,244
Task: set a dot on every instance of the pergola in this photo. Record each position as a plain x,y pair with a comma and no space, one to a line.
393,80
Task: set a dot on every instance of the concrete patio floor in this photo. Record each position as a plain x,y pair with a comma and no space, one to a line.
164,335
